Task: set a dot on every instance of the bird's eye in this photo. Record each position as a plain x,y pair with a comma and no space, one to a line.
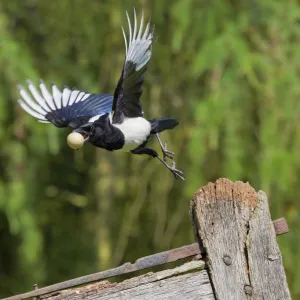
87,127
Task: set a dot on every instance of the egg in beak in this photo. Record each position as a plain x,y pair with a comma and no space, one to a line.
75,140
80,135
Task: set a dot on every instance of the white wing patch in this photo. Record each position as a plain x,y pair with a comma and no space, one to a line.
39,104
80,96
46,95
73,97
138,48
30,111
66,96
56,96
93,119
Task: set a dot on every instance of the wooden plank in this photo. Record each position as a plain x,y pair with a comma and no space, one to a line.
265,262
175,284
140,264
227,219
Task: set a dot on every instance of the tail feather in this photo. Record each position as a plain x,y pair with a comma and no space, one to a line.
161,124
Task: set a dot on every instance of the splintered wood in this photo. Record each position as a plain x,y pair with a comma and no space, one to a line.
233,223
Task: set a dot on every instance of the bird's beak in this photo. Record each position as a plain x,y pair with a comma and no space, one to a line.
85,130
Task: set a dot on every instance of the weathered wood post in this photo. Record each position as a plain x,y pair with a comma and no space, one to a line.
233,224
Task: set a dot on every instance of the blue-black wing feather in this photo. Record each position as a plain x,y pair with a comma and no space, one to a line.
70,108
81,112
129,89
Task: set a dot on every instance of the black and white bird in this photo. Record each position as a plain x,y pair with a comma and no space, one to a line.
111,122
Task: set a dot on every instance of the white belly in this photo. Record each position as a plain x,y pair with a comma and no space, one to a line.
135,130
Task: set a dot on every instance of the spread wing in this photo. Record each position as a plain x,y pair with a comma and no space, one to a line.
129,89
67,108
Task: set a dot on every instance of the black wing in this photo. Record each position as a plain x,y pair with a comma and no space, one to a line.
129,89
67,108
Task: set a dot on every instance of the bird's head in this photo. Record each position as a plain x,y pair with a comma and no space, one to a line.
80,135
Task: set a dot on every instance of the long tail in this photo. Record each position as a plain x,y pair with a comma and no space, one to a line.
161,124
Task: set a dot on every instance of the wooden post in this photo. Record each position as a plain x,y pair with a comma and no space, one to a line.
234,227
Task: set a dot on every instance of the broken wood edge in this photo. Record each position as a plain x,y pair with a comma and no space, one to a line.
248,197
241,198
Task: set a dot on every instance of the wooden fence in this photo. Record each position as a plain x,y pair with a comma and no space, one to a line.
236,257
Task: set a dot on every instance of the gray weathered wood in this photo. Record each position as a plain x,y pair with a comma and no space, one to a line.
188,281
234,226
265,262
140,264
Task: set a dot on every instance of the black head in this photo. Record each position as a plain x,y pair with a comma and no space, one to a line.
86,131
93,133
102,134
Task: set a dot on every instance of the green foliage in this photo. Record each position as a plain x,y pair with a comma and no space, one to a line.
228,70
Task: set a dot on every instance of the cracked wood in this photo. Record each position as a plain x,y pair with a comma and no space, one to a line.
233,223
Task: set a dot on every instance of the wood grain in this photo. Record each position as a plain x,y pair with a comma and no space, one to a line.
188,281
266,270
234,225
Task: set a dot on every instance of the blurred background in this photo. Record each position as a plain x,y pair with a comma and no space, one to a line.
228,70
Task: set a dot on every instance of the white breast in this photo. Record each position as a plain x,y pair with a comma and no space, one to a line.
135,130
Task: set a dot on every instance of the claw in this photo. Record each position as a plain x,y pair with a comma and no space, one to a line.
168,154
178,174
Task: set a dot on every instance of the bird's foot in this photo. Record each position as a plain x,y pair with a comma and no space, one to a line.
178,174
166,152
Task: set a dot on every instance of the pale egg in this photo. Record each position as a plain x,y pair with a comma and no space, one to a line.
75,140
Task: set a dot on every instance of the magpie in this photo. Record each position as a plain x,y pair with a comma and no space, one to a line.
112,122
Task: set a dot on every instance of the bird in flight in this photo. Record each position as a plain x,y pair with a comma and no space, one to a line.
111,122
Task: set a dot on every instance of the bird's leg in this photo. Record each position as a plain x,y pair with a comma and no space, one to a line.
166,153
141,150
